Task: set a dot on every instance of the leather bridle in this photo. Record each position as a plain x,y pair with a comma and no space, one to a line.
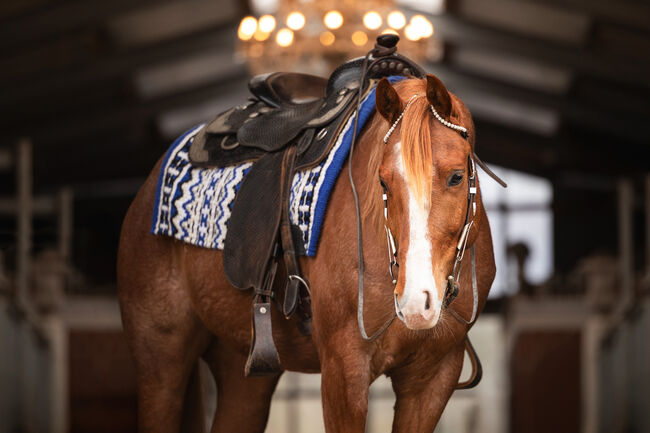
452,281
452,289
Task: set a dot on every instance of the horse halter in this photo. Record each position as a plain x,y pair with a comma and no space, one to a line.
452,289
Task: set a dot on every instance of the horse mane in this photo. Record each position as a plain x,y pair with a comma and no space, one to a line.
418,130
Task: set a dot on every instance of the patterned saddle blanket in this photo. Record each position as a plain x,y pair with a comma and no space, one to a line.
194,204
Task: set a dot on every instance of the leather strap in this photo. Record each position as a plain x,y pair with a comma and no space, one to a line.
361,267
297,296
477,368
263,358
288,249
474,294
489,172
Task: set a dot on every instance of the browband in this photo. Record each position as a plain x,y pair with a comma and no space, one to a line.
455,127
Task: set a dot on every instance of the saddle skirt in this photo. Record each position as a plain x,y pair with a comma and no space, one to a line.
193,204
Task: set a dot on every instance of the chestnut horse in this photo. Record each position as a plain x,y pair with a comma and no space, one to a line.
177,305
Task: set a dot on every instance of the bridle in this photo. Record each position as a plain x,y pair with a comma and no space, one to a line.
452,289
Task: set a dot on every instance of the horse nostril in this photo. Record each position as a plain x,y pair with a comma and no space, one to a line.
427,305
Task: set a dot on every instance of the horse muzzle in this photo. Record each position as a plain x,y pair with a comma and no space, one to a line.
420,310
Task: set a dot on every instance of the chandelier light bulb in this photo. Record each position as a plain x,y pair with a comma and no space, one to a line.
295,20
247,28
422,26
411,33
359,38
266,23
333,20
284,38
389,32
327,38
372,20
261,35
396,20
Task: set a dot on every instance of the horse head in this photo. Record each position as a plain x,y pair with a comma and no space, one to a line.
424,169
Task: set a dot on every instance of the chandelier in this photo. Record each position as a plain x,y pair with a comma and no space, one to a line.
316,36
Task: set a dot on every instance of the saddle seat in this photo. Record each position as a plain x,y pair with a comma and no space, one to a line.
286,108
279,89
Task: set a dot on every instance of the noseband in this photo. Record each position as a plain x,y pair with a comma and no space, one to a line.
452,289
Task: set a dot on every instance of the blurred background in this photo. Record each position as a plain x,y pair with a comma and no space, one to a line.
93,92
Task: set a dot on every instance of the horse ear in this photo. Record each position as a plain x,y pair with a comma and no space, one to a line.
438,96
387,101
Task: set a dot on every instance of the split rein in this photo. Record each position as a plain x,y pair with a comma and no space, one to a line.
452,288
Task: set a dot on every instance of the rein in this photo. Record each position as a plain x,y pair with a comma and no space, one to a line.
379,51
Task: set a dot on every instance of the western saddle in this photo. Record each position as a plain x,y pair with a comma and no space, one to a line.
290,123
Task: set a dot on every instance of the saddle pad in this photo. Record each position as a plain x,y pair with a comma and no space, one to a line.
194,204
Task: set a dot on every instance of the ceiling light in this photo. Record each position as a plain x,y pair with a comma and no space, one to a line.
284,38
295,20
422,26
247,28
333,20
359,38
372,20
411,33
267,23
327,38
396,20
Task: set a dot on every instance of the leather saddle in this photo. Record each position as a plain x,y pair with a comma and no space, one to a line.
290,123
279,89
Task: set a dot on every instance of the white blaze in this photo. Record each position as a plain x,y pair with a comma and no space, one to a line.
419,271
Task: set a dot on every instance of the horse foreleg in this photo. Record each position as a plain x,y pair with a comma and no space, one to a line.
344,386
243,403
422,394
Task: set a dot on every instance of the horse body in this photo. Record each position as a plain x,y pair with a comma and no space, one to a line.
177,306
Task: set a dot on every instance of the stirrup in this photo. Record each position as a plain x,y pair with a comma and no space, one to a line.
263,358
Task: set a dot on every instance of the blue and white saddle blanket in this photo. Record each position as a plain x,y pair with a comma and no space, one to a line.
194,204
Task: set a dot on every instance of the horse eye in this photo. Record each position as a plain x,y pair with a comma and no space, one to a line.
455,179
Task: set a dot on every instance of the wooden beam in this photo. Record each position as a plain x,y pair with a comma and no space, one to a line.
567,152
100,121
116,66
608,65
47,22
170,20
529,19
9,9
606,119
629,13
93,41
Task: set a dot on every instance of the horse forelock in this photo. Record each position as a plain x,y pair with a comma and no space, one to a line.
418,133
422,136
